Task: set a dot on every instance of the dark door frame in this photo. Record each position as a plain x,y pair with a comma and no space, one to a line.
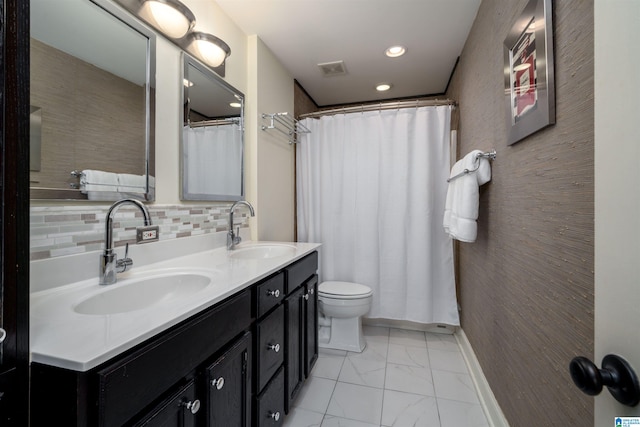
14,212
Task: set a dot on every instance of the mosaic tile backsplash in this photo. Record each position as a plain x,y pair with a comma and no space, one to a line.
68,230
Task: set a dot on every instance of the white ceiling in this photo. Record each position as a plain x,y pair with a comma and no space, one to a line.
304,33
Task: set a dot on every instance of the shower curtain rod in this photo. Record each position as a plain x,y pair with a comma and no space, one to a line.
380,106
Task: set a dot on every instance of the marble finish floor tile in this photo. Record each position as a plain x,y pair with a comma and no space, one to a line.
454,413
408,355
299,417
363,371
443,360
410,379
331,421
442,342
315,395
376,333
454,386
407,337
409,410
356,402
328,366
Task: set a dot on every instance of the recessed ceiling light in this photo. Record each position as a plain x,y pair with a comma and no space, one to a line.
382,87
395,51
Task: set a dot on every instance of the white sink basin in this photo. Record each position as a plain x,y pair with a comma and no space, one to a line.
262,251
140,293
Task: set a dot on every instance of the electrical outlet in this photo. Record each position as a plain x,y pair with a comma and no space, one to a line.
148,233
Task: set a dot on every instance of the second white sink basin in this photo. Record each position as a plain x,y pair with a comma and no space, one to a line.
262,251
140,293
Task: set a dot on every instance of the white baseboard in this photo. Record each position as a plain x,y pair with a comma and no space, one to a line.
412,326
490,406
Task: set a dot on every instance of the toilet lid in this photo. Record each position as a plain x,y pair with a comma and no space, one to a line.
346,289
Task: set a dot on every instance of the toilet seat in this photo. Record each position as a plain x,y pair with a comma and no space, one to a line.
343,290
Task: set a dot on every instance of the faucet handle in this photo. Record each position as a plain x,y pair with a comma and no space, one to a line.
237,239
123,263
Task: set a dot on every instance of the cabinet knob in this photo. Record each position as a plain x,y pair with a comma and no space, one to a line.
306,297
218,384
274,347
193,406
616,374
275,416
3,335
311,291
275,293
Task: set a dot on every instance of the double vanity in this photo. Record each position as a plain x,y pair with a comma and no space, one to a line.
212,338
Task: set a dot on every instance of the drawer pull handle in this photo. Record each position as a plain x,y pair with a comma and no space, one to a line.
274,347
194,406
275,416
218,384
275,293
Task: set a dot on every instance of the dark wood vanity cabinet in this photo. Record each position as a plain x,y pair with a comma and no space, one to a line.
229,365
302,324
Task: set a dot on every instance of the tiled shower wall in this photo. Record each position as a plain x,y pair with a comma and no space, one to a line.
68,230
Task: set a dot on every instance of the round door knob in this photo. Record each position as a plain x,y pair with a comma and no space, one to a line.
193,406
218,384
616,374
274,293
274,347
275,416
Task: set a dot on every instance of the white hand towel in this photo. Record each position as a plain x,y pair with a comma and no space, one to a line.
462,203
96,180
128,183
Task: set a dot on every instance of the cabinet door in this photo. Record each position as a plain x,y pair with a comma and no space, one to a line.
311,325
228,382
14,213
294,368
178,410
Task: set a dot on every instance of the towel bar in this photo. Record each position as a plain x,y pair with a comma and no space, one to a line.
489,155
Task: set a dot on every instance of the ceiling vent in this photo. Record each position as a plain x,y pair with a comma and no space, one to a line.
330,69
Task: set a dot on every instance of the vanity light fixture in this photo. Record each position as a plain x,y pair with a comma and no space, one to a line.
395,51
209,48
383,87
235,104
171,17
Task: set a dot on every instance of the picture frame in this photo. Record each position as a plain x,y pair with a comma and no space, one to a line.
529,72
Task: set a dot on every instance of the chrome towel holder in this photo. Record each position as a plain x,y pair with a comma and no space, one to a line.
488,155
284,123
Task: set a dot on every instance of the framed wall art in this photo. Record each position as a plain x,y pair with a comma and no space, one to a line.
529,72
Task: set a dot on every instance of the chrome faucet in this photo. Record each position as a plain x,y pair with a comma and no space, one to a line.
234,238
110,265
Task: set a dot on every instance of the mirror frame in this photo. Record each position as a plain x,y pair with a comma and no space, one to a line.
40,193
187,61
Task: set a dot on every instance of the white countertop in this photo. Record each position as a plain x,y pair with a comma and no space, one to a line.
64,338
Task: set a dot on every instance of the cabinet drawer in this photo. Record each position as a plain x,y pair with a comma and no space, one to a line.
178,410
138,379
300,271
270,406
269,346
269,294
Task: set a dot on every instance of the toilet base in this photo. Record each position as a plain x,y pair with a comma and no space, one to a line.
344,334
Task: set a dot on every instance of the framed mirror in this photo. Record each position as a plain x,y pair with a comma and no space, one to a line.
212,139
93,102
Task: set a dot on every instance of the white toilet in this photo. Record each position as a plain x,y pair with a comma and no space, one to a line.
342,305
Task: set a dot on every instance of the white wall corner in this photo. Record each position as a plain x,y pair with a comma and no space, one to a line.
488,401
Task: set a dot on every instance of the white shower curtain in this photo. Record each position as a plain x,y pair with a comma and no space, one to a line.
212,156
371,188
